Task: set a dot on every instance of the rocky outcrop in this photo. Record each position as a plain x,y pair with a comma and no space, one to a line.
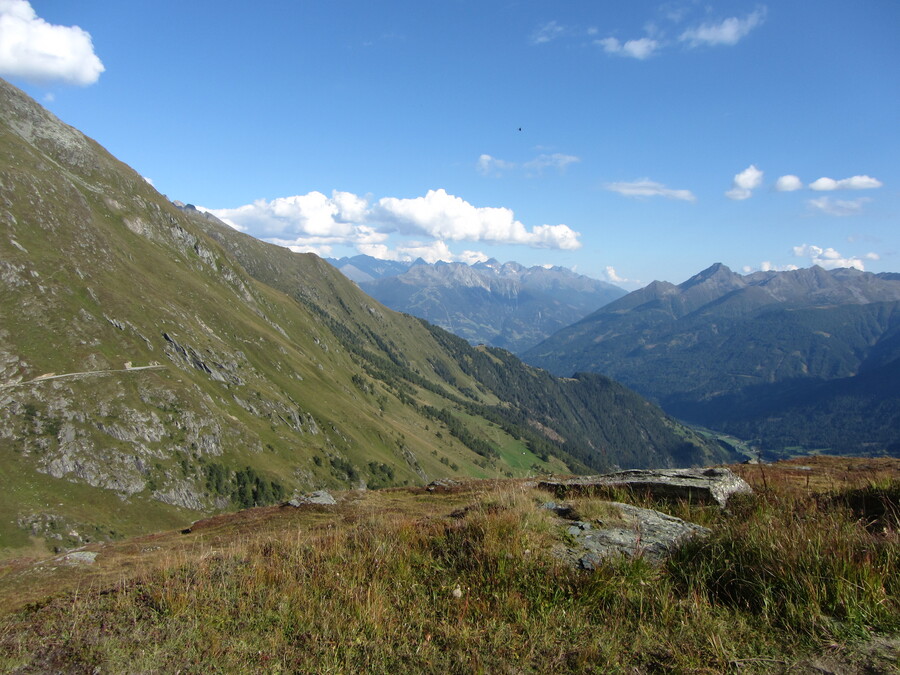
626,530
217,368
702,486
320,497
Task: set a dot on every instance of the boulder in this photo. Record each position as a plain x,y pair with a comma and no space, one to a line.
441,484
699,486
80,558
322,497
629,531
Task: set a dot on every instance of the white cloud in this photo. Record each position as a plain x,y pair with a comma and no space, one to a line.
149,181
444,216
838,207
767,266
744,183
853,183
556,160
727,32
314,220
40,52
310,222
612,276
546,33
828,258
648,188
312,214
788,183
430,252
637,49
491,166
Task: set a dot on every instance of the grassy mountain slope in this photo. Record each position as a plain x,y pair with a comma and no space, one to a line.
156,364
759,356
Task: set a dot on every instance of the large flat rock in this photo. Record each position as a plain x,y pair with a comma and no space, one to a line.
699,486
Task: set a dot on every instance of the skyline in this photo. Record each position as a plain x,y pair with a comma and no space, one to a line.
629,143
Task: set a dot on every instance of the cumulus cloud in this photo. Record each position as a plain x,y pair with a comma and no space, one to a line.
637,49
727,32
838,207
310,215
788,183
40,52
445,216
829,258
547,33
317,222
745,183
853,183
648,188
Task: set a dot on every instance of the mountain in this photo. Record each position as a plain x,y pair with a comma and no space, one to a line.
503,305
156,364
791,359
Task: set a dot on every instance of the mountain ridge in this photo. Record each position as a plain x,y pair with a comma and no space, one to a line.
504,305
694,347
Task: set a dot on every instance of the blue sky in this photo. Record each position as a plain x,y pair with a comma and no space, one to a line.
631,141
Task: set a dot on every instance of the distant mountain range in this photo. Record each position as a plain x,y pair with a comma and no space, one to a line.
503,305
805,358
156,365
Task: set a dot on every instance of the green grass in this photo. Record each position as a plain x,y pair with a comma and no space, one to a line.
406,582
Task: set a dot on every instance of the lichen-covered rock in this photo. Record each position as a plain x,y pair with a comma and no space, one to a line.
629,531
80,557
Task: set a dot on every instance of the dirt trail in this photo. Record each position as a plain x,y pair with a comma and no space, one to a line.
85,373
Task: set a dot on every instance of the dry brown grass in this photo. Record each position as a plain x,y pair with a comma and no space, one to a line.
461,580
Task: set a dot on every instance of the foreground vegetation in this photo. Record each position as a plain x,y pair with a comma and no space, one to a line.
465,581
